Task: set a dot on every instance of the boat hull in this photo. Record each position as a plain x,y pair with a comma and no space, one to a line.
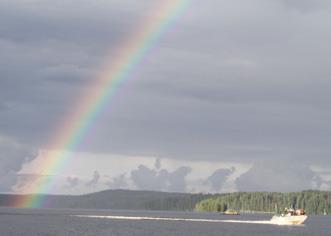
289,220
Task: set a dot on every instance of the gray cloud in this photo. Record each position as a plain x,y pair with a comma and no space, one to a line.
118,182
12,156
218,178
24,180
157,164
307,6
145,178
279,176
72,181
238,80
160,179
95,179
327,185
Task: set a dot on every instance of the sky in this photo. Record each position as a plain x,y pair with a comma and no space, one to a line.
233,97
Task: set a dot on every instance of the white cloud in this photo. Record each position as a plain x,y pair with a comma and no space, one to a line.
13,156
118,171
280,175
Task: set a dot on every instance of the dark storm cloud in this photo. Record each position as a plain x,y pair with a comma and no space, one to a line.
261,93
73,21
232,80
48,52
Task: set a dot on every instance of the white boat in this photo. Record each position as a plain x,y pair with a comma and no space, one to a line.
290,217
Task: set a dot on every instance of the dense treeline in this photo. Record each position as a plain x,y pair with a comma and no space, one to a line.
117,199
314,202
174,203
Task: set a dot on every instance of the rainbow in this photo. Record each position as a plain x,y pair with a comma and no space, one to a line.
75,125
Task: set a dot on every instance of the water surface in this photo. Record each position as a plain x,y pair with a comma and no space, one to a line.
32,222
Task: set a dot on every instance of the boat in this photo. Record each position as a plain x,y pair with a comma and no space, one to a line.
231,212
290,217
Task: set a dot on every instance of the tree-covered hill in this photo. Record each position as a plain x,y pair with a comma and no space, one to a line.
117,199
314,202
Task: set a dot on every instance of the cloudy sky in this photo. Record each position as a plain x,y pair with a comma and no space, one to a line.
234,93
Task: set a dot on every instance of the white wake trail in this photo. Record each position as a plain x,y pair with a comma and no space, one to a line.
174,219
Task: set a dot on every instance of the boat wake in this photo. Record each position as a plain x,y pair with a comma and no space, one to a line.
137,218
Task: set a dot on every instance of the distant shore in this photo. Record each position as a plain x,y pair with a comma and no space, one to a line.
314,202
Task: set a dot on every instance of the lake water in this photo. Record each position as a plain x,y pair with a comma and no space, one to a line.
49,222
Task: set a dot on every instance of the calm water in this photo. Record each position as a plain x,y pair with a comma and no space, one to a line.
29,222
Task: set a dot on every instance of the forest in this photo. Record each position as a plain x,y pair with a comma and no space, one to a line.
314,202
